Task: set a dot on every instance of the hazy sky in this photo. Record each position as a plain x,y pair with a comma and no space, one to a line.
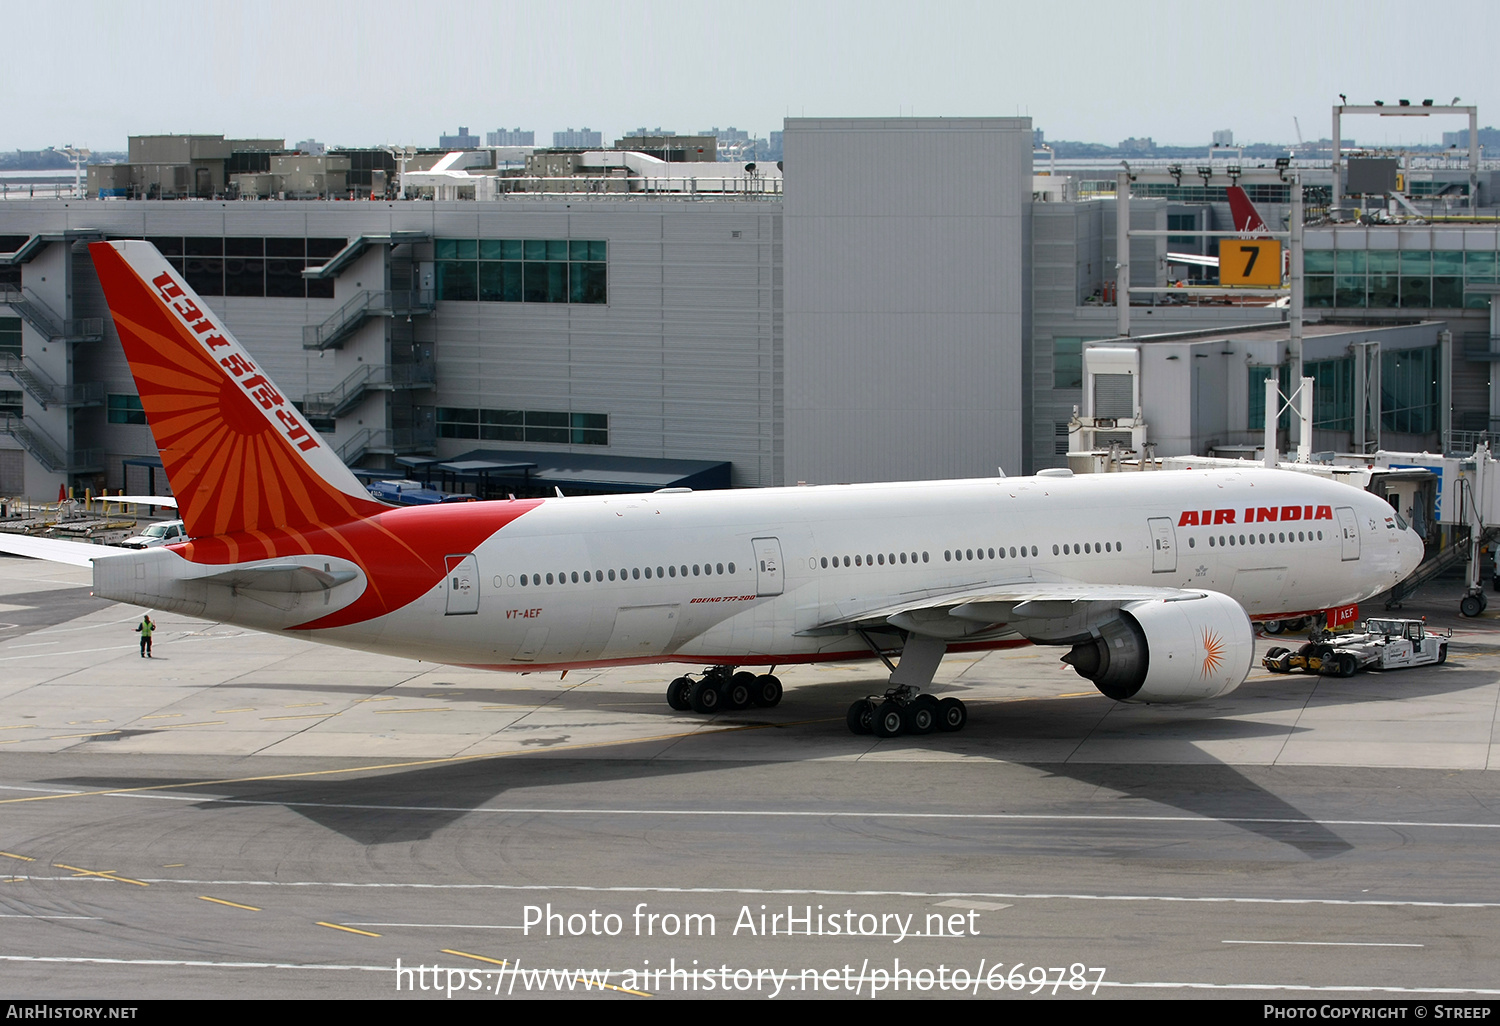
92,73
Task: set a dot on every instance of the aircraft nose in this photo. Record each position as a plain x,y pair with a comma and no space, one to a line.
1412,552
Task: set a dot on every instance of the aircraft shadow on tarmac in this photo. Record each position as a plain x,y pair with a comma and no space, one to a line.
392,806
37,610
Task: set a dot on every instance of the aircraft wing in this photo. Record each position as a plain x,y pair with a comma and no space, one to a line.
1195,259
138,500
56,550
1038,610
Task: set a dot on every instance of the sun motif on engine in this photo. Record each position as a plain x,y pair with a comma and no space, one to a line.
1213,653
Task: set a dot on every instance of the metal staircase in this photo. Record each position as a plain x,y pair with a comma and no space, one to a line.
46,321
367,303
45,450
367,378
1450,557
47,392
389,441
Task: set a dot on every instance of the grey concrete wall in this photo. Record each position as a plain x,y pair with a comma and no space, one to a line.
685,358
905,250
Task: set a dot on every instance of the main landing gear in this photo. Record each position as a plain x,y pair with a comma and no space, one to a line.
902,710
721,688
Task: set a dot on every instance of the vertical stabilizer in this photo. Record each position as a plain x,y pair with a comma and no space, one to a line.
239,455
1242,212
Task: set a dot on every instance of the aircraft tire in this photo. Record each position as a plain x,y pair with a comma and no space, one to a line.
921,716
678,694
1273,626
739,691
888,720
767,691
859,716
706,697
952,715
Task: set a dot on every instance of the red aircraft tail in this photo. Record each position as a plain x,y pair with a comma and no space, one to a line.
1243,213
239,455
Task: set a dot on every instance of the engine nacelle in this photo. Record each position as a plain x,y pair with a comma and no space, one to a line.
1170,650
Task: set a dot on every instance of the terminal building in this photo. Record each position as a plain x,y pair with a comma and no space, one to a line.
899,299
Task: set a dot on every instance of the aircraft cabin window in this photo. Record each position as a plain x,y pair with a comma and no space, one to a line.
1192,543
1054,550
635,573
523,580
924,557
720,568
684,570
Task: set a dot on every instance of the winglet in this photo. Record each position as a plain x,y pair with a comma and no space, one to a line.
239,455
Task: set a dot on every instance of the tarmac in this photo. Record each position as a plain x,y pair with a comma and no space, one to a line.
246,814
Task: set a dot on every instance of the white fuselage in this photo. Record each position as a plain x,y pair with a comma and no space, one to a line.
749,576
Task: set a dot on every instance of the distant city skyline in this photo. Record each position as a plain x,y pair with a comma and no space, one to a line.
93,73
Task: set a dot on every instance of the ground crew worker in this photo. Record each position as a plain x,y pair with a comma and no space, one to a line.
145,630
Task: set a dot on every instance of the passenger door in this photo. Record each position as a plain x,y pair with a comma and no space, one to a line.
1163,545
1348,532
463,585
768,579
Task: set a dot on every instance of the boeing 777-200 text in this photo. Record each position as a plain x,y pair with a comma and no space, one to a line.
1148,580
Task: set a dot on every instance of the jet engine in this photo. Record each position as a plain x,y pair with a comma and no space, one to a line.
1169,650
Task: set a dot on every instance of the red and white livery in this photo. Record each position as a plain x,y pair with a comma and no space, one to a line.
1148,580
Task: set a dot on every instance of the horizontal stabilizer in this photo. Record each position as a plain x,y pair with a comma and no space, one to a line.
291,578
55,550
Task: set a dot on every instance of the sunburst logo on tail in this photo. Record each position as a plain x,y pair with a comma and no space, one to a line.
1213,653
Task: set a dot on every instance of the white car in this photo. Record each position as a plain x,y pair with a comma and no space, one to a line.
168,532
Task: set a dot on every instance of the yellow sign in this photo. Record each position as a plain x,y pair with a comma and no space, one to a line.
1254,262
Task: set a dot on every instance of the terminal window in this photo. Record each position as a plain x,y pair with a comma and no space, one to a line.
10,348
125,409
1067,363
523,426
1395,279
522,270
269,268
10,274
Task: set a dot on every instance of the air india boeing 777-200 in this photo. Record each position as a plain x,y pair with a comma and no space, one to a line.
1149,581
